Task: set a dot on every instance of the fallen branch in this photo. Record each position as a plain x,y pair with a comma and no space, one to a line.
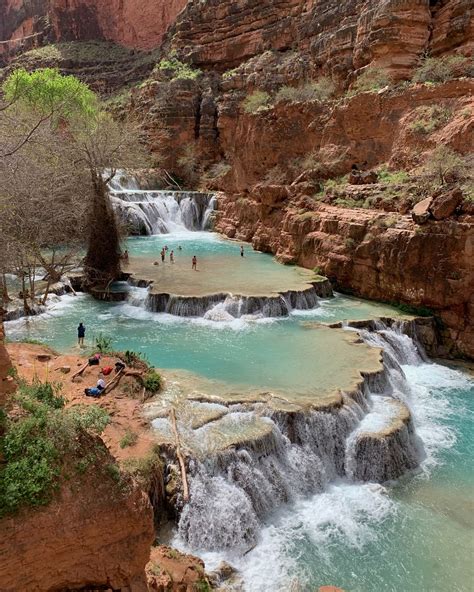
80,371
113,383
179,455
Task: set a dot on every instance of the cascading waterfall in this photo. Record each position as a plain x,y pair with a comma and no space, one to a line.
233,490
226,306
147,212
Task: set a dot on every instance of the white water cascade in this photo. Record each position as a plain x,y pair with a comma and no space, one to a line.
234,490
146,212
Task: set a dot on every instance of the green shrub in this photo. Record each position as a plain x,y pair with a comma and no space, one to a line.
320,90
444,165
152,381
429,119
44,392
36,443
258,101
443,69
372,79
218,170
132,358
103,343
392,177
350,243
129,439
178,69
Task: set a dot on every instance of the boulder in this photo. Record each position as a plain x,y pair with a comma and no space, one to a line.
421,212
65,369
362,177
43,357
445,205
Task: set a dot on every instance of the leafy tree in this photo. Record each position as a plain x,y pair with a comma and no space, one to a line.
444,165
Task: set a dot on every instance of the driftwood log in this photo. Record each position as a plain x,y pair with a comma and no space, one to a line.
179,455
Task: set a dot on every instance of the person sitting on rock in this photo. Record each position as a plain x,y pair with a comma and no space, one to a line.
98,389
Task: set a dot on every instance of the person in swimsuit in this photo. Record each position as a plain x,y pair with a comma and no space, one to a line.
241,251
195,263
163,253
172,257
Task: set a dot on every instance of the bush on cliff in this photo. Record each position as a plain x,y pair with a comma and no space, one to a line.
443,69
258,101
177,69
372,79
39,437
429,118
320,90
444,165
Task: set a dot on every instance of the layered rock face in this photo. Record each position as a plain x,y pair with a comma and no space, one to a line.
139,24
340,36
93,536
371,254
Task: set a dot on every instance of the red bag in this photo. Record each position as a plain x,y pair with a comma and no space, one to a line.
107,370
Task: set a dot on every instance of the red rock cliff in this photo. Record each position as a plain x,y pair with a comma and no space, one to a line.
134,23
92,536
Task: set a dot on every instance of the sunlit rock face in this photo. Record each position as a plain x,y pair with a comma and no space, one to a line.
139,24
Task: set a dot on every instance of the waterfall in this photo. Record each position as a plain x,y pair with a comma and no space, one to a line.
146,212
371,437
225,306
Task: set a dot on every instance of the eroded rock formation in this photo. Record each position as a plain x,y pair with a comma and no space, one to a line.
94,535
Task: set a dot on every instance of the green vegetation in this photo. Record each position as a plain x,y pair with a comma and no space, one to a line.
257,102
392,177
430,118
128,439
103,343
203,586
443,69
146,470
152,381
418,311
372,79
230,73
51,93
178,70
133,359
38,441
444,165
319,90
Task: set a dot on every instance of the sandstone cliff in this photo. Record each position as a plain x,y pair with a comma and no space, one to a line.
95,534
133,23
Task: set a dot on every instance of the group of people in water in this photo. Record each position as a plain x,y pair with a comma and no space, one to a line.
164,251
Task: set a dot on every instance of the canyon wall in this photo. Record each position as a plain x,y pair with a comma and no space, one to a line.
139,24
340,36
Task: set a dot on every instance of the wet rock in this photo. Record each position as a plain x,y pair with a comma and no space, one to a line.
222,573
444,205
421,212
170,569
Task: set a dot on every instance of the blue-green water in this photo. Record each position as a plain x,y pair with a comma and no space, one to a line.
414,536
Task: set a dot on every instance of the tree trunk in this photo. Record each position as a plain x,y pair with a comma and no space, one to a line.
102,262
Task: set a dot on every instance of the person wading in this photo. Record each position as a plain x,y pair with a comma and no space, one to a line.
241,251
195,262
172,257
81,333
163,254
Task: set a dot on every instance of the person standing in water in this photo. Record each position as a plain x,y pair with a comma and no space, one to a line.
81,333
241,251
195,263
163,253
180,248
172,257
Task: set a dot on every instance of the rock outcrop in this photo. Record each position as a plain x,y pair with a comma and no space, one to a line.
7,384
95,535
370,254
